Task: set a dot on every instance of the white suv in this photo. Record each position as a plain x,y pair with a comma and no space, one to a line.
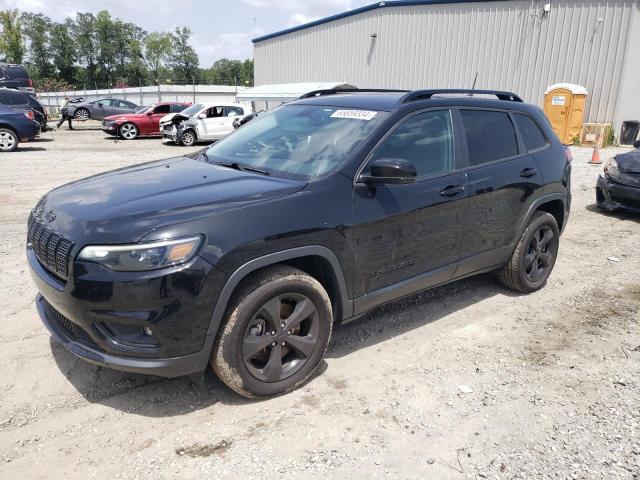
201,122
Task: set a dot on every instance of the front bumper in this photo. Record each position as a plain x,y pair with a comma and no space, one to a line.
163,367
100,315
110,128
611,195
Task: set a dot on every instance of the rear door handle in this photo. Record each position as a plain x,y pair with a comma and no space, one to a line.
529,172
452,190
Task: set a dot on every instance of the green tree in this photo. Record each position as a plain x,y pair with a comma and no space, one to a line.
106,42
63,49
11,43
84,34
157,51
36,28
184,58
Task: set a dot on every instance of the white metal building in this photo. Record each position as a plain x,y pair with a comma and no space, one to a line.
517,45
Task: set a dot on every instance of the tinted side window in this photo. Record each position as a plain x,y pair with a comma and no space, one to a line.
490,135
105,102
178,108
425,139
531,134
164,109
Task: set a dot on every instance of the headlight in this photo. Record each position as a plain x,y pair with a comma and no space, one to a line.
142,256
611,167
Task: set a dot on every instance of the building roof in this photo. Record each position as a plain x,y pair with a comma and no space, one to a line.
357,11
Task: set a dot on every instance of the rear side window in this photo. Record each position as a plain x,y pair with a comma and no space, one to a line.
531,134
425,139
490,135
178,108
233,112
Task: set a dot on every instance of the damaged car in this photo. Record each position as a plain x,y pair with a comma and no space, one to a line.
619,185
144,122
202,122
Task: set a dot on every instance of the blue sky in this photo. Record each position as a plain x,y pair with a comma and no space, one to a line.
221,28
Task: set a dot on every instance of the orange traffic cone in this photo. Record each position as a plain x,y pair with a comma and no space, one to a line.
595,156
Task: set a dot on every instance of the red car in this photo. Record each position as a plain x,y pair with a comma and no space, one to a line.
144,122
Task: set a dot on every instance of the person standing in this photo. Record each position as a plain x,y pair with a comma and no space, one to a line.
64,115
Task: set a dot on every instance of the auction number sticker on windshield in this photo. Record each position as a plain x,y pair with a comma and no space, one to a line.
354,114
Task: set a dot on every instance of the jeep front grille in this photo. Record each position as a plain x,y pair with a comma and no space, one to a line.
51,249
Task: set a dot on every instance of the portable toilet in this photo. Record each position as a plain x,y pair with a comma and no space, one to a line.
564,105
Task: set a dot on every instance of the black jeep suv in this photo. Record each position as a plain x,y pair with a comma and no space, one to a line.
246,254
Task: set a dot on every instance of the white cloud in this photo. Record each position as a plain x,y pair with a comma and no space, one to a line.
234,45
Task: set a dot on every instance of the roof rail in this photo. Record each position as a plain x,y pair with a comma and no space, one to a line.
427,94
335,91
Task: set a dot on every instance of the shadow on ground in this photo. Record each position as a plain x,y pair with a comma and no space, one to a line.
161,397
616,214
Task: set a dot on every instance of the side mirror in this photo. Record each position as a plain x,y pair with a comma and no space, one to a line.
202,115
100,104
636,144
390,171
150,112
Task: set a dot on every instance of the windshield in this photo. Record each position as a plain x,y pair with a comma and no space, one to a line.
192,110
143,109
298,141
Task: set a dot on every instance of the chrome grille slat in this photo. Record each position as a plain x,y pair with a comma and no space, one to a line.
51,249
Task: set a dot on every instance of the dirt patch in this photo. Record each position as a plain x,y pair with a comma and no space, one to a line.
198,450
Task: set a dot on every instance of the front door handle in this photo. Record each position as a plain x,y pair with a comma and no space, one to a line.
529,172
452,190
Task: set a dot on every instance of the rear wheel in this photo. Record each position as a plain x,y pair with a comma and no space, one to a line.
275,334
82,114
8,140
128,131
188,138
534,257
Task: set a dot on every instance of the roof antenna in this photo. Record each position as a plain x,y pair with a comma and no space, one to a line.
473,87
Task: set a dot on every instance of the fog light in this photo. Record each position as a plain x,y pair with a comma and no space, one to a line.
147,331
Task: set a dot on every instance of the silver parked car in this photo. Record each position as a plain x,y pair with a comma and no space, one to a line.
98,109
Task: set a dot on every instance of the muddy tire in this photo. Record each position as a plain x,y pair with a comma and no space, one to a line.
535,255
275,333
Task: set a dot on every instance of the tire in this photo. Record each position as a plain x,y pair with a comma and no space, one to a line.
128,131
82,114
8,140
259,356
535,255
188,138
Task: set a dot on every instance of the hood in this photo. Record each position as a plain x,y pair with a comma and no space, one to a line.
124,205
629,162
173,117
126,116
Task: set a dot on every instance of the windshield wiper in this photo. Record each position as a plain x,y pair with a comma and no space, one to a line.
243,167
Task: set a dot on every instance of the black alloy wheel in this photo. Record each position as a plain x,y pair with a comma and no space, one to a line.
534,256
276,330
280,337
539,256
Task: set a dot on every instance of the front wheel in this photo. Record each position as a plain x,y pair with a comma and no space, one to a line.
128,131
8,140
82,114
275,334
534,257
188,138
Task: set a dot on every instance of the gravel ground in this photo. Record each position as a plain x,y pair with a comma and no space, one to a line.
465,381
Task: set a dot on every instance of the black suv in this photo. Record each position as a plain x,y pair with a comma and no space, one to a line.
15,76
246,254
